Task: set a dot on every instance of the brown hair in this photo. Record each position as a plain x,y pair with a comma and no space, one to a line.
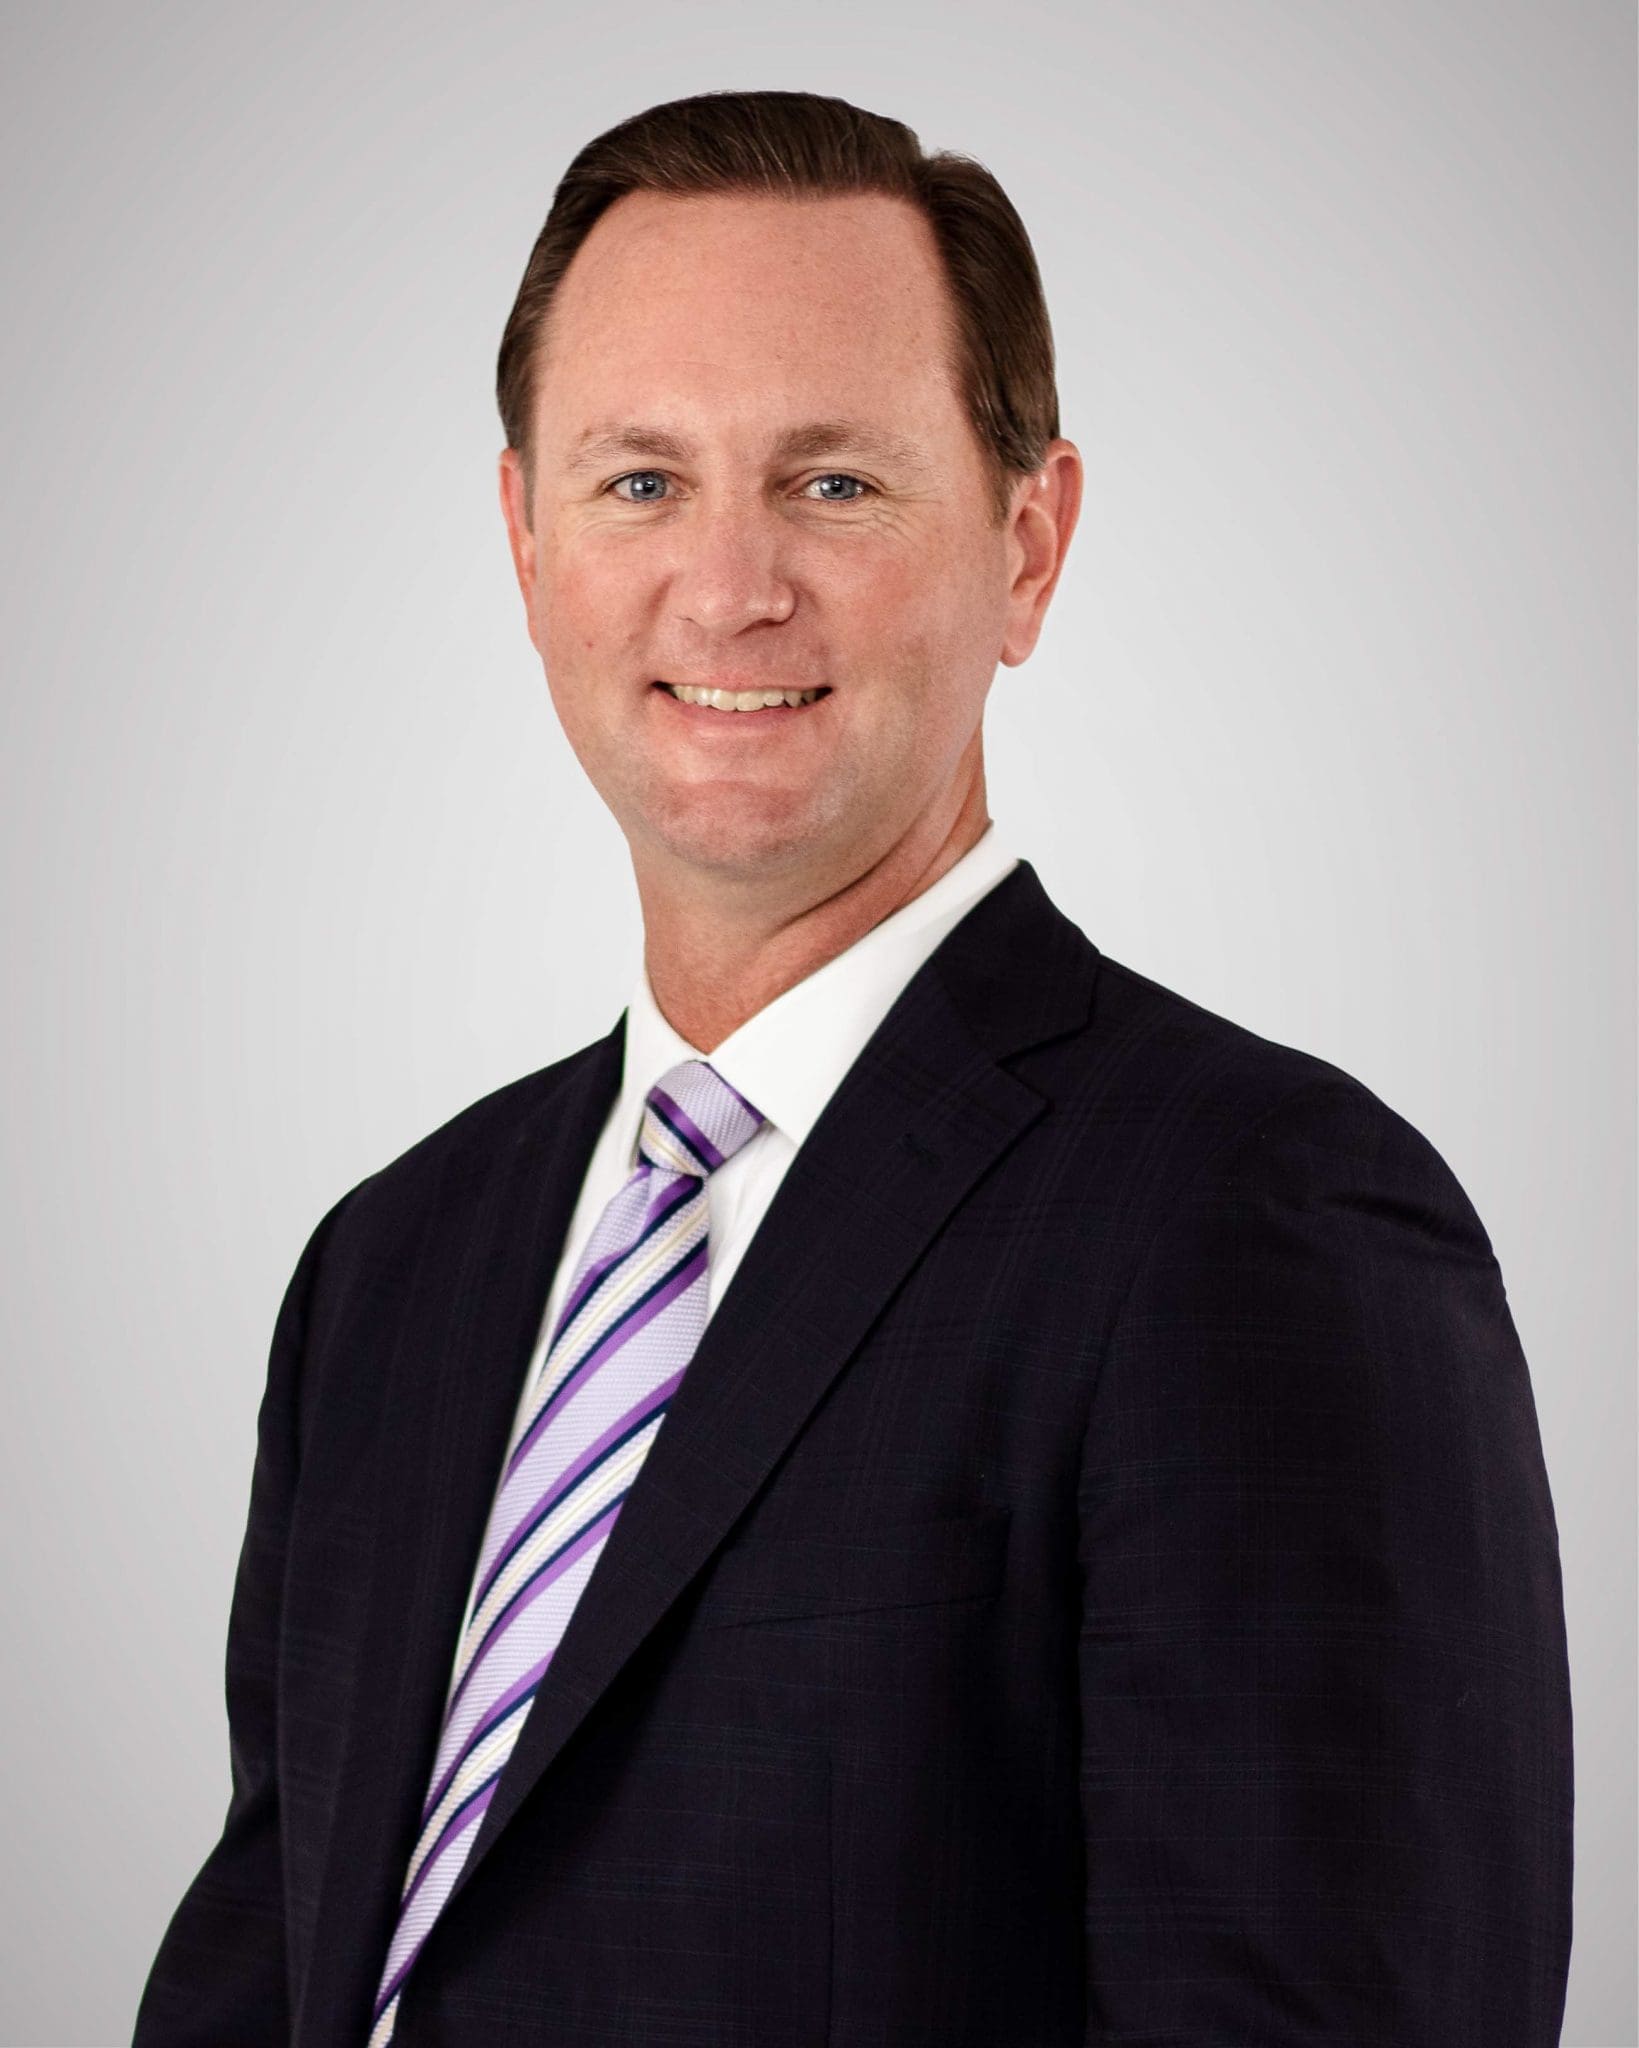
802,143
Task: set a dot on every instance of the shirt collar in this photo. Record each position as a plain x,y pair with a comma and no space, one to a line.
789,1058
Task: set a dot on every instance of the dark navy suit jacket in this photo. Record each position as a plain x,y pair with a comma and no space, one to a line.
1097,1582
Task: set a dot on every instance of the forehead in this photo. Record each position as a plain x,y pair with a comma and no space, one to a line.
751,306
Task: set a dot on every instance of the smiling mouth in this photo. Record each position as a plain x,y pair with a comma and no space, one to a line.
742,700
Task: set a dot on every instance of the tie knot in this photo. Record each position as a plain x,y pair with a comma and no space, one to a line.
693,1120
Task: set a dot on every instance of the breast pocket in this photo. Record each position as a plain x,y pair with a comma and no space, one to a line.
887,1570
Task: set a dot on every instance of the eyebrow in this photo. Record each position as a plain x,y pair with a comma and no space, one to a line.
613,438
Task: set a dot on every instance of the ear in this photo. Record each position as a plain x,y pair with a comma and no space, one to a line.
1046,505
515,510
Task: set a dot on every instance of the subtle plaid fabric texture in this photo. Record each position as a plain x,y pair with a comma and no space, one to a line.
634,1313
1096,1583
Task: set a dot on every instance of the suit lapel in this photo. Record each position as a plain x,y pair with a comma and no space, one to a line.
476,1291
925,1111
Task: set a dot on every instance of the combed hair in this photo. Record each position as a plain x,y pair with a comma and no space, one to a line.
805,144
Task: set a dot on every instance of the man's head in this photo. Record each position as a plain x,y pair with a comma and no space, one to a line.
779,402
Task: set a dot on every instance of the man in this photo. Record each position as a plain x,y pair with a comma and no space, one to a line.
925,1489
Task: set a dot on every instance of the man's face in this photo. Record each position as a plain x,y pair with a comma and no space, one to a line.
754,474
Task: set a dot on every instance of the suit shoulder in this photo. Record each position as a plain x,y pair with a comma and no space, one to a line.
1141,1032
475,1133
1261,1106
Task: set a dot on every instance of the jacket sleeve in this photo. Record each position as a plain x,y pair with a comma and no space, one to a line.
220,1973
1325,1766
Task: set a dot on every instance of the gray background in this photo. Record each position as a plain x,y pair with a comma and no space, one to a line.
1330,729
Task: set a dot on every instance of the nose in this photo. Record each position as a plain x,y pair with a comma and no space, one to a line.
730,571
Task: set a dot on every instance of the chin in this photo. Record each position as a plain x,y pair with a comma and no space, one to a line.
745,833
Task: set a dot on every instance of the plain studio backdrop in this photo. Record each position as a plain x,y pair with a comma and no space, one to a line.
1330,727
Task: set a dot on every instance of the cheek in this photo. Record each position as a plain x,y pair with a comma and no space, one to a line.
894,610
924,620
581,620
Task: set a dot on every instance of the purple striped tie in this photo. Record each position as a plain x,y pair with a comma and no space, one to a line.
629,1325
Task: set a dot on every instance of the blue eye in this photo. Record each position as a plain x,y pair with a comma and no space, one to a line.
655,486
837,477
638,476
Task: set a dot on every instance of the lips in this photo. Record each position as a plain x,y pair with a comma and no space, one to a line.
741,701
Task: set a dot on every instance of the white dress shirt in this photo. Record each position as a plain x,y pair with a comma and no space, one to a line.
787,1060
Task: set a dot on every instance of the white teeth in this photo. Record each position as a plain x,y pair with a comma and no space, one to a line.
740,700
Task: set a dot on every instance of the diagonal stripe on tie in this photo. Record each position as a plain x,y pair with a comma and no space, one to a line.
632,1317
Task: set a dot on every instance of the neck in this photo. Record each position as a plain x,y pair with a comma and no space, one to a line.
715,958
